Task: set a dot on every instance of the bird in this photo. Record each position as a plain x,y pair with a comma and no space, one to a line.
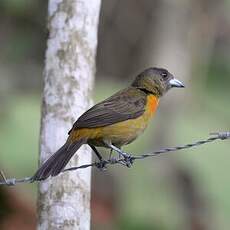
115,121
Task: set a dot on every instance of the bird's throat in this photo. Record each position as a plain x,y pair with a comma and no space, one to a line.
152,103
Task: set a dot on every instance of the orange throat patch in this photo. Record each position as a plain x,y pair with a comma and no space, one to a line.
152,103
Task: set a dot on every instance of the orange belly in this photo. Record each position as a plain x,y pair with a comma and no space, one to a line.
120,133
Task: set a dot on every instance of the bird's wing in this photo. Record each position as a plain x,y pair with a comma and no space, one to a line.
124,105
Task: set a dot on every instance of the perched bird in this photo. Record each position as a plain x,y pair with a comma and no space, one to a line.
114,122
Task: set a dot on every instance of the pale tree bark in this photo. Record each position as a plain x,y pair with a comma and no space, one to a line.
64,201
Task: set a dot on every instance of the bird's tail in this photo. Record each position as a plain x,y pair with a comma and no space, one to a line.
57,162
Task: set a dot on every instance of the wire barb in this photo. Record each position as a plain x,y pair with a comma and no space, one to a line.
221,135
3,176
102,165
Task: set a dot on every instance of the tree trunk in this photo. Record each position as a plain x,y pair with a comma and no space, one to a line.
64,201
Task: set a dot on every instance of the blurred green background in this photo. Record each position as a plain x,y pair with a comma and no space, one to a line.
184,190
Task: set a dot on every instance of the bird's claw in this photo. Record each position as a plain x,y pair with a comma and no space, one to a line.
128,160
101,165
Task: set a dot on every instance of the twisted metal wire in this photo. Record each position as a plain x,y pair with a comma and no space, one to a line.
128,162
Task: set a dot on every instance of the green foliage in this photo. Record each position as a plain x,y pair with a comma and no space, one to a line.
17,7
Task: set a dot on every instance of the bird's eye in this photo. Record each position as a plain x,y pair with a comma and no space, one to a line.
164,74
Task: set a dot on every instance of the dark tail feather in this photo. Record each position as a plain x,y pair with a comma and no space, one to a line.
57,162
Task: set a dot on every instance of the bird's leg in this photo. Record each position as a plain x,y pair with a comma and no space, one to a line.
113,159
128,160
96,152
101,164
110,154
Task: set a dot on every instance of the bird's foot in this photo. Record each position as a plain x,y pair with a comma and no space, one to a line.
101,165
127,159
124,158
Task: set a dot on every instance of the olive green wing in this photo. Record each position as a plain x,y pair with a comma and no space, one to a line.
126,104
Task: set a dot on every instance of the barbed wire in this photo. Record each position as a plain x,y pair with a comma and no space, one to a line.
102,165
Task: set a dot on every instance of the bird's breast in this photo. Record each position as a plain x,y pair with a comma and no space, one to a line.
124,132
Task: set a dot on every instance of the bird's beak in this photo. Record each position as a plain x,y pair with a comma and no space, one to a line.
176,83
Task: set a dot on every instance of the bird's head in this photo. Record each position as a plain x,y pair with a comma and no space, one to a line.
156,81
